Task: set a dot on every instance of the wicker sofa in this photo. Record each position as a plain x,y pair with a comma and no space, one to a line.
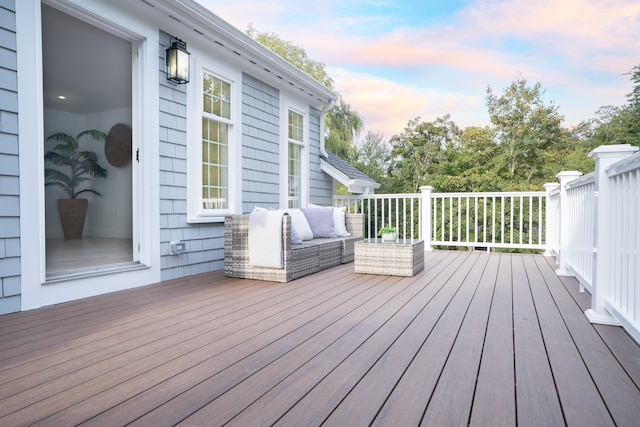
299,260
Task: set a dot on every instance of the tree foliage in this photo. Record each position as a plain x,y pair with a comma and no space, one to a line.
418,152
373,157
525,127
342,127
342,123
292,53
524,147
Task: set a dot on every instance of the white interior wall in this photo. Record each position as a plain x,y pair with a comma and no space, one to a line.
110,215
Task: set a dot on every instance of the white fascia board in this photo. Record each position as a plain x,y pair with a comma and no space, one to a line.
362,184
205,23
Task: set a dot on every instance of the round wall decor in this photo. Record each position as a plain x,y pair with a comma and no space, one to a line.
117,149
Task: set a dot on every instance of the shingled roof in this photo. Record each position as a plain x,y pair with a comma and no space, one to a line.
345,173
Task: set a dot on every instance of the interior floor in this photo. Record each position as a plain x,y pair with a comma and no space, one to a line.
86,254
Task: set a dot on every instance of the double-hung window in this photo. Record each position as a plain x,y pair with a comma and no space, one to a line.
296,140
216,130
213,152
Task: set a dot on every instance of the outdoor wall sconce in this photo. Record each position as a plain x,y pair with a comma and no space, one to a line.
178,62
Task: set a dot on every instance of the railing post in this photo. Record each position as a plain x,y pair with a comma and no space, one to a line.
605,156
565,218
425,221
551,219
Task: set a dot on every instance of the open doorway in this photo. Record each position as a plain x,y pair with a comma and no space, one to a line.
87,82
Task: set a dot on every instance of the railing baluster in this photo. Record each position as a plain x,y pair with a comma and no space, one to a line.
493,220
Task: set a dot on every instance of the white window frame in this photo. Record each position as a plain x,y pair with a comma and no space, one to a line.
196,213
302,109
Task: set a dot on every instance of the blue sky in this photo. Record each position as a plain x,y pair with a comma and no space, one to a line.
394,61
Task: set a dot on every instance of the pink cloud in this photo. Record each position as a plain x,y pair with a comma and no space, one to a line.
386,106
443,68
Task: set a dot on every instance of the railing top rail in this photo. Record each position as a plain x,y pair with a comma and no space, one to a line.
625,165
378,196
493,194
587,179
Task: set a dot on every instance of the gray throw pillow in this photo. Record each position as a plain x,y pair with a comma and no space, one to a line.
295,237
321,221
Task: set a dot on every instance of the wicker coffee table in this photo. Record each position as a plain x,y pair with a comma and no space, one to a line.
401,258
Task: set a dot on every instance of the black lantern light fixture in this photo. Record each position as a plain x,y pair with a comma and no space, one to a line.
178,62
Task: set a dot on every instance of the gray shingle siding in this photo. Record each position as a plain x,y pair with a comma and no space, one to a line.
320,184
10,275
260,144
204,242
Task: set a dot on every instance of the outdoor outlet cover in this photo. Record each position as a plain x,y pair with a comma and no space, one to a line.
176,248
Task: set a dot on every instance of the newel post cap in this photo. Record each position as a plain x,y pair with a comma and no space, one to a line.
609,151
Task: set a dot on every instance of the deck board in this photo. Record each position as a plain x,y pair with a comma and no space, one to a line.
474,339
226,343
615,387
409,398
537,400
373,356
494,401
452,398
581,404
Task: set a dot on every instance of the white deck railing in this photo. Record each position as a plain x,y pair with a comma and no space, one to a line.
478,220
589,223
621,250
488,220
581,214
403,211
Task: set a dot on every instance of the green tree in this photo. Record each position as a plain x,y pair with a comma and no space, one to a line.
373,157
419,151
342,123
634,107
525,127
471,165
342,127
292,53
613,125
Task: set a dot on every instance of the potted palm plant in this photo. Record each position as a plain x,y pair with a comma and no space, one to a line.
79,166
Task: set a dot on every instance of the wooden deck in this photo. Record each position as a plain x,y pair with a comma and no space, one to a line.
474,339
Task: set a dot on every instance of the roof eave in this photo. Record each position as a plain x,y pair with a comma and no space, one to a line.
353,185
203,22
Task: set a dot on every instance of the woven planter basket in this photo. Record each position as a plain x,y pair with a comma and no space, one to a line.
72,214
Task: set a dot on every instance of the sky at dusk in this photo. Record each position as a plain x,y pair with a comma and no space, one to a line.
394,61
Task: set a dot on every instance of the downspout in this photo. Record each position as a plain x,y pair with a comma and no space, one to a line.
331,106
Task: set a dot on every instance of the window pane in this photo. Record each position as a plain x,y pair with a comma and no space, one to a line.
205,176
224,133
225,110
205,153
294,175
223,157
205,130
216,107
296,126
207,84
213,176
